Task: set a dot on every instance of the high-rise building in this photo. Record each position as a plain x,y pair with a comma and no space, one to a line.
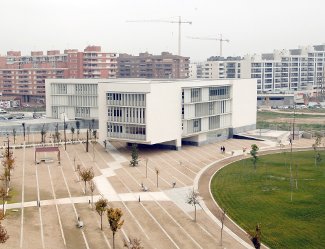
24,75
146,65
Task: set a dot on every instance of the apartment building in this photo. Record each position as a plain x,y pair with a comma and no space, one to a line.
24,76
217,68
145,65
287,70
281,71
175,112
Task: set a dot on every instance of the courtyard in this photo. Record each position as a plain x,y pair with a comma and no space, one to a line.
48,198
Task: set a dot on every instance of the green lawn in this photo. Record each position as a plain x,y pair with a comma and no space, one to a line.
263,196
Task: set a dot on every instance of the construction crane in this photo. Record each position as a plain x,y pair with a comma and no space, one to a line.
179,22
221,40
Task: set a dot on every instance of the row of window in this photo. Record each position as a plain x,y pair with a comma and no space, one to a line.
126,99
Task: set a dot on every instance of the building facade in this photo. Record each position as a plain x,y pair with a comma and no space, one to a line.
145,65
175,112
218,68
75,98
281,71
24,76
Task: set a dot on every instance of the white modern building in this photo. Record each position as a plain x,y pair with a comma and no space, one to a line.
172,112
164,112
76,98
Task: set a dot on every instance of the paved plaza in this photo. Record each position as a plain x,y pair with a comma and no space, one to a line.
48,197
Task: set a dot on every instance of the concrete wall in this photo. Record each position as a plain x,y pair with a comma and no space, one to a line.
244,101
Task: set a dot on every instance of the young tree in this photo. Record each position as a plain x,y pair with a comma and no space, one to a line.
193,199
3,195
253,152
78,128
318,141
95,134
256,237
14,133
3,234
134,155
43,134
157,174
72,132
101,206
8,164
86,175
133,243
92,188
114,219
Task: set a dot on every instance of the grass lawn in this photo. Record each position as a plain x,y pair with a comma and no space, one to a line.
263,196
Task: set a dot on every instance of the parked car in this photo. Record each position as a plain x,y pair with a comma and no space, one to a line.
2,111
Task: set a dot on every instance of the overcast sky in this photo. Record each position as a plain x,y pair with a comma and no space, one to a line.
253,26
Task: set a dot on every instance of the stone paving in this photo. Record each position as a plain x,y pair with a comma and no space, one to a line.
161,219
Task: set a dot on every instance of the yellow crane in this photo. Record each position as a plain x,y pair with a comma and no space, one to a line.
220,39
179,22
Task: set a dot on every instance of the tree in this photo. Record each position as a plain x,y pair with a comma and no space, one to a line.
256,237
8,163
14,132
43,134
193,199
92,188
101,206
86,175
114,219
3,195
157,174
78,128
222,219
253,152
3,234
95,134
133,243
72,132
134,155
318,141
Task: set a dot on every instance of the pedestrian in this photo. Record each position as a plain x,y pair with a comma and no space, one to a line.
174,184
224,150
221,149
105,143
139,199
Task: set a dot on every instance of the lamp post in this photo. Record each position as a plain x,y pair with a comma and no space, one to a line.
65,136
23,124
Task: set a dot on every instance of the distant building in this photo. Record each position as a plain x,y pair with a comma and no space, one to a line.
24,76
145,65
280,71
218,68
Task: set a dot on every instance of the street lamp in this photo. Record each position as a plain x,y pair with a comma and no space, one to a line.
23,124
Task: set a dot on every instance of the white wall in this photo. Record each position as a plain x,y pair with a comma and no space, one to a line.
244,102
164,112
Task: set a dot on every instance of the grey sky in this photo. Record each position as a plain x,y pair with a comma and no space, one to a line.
253,26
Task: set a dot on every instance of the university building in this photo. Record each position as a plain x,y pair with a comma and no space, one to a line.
24,76
165,112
